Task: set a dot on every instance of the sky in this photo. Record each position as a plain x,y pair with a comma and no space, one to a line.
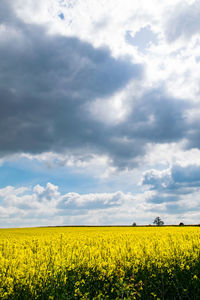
99,112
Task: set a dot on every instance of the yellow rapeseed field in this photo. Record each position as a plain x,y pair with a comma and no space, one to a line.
100,263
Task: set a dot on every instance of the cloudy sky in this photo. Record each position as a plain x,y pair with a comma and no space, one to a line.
99,112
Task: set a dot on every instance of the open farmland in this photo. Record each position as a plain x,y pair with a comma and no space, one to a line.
100,263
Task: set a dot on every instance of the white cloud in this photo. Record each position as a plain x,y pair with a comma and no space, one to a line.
157,179
183,22
105,23
167,154
140,126
47,206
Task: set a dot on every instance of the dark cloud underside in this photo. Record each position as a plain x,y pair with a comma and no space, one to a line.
46,81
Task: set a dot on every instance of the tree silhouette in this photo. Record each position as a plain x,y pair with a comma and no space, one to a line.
158,221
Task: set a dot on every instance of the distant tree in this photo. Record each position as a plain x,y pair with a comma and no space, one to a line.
134,224
181,224
158,221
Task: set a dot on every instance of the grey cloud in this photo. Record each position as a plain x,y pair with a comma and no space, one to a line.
158,118
6,13
174,178
193,136
45,80
172,184
184,21
90,201
158,180
154,118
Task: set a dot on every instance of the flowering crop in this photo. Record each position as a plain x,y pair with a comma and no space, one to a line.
100,263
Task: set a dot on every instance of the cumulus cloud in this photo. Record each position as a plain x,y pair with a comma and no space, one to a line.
49,85
157,179
44,202
183,21
176,184
45,82
40,196
105,93
175,175
91,201
46,205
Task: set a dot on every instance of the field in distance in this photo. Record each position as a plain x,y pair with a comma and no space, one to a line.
100,263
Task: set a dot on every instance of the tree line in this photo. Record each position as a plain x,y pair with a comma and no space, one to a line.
158,222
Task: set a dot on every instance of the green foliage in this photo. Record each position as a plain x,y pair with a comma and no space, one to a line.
158,221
